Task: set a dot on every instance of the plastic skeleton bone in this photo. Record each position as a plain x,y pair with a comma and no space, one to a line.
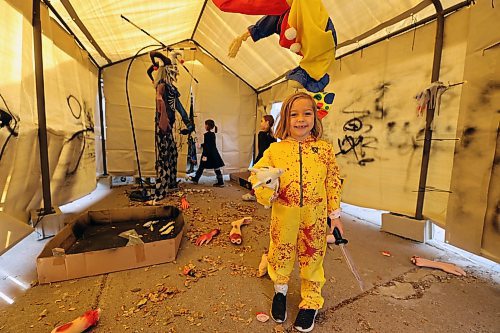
206,238
235,234
168,230
150,224
166,226
80,324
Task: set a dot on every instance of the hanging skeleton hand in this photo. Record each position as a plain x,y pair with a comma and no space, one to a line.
206,238
184,203
236,44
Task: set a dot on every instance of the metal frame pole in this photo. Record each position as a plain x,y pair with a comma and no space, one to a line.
40,104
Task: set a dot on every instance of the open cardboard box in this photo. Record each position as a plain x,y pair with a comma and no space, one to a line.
65,266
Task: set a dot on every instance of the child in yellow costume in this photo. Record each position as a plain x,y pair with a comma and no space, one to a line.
309,191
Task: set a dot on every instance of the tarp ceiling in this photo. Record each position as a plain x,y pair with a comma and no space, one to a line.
109,38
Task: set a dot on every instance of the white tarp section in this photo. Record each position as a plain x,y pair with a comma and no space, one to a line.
219,95
175,20
168,21
70,96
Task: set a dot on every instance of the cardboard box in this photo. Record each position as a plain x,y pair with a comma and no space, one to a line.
65,266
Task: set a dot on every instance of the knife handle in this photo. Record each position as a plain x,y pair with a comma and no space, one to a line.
338,237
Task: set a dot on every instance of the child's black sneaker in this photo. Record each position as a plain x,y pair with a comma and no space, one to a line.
278,309
305,320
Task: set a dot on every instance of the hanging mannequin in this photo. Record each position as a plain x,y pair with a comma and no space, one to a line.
167,102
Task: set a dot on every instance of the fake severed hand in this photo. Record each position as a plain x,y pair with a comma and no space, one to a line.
206,238
184,203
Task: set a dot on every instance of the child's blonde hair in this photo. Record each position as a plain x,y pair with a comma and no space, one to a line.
283,130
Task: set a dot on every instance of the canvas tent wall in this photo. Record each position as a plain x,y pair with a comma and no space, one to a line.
71,90
219,95
385,75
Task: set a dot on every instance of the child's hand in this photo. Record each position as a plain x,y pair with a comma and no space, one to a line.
273,197
204,158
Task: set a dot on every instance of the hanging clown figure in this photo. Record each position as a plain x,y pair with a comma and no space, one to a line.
324,101
167,103
303,26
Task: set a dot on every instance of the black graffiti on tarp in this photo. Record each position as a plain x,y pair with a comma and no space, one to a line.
380,111
356,141
355,125
468,136
10,122
401,138
88,127
488,91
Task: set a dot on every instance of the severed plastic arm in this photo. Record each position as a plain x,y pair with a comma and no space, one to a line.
80,324
235,235
449,268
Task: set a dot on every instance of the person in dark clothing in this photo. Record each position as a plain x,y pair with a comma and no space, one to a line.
265,138
210,157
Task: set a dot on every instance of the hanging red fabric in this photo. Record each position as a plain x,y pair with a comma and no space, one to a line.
253,7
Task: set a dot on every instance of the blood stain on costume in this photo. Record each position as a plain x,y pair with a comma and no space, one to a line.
309,251
288,195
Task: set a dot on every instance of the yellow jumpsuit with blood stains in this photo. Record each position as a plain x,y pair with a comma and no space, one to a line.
309,190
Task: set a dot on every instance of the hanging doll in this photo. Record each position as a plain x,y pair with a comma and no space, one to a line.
303,26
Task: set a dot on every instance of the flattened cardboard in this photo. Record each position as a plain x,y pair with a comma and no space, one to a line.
71,266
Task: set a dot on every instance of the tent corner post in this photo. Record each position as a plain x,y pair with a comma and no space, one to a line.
40,106
101,117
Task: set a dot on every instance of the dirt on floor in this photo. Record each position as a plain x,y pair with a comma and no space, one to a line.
216,288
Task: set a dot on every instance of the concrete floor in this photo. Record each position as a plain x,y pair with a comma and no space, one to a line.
400,297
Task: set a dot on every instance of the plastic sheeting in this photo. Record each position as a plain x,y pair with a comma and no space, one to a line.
473,210
70,96
219,95
173,21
